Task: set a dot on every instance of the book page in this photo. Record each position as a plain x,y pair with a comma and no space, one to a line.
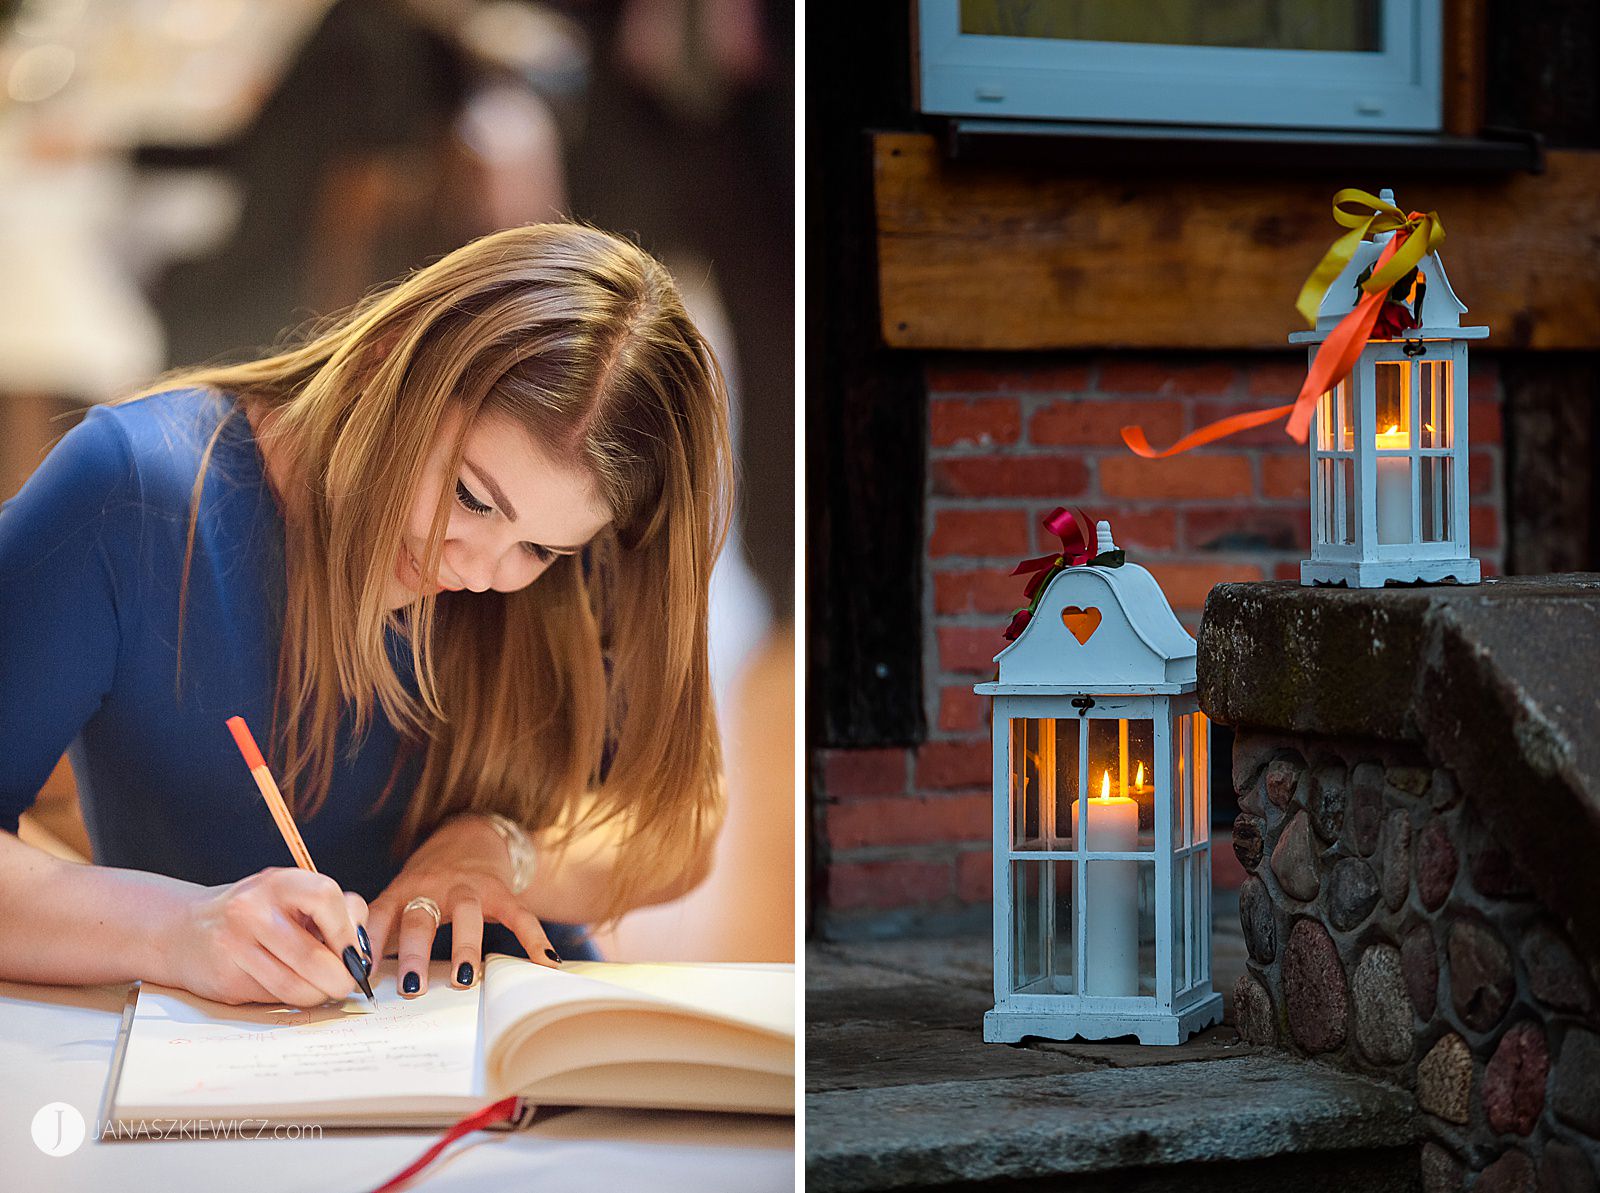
184,1051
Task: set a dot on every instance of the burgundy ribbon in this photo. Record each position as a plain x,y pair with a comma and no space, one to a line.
1063,523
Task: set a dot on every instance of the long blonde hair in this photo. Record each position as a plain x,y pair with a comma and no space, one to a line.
580,338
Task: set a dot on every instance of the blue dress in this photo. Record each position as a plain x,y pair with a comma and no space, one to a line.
91,555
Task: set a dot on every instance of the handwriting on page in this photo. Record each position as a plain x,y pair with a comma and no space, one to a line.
184,1049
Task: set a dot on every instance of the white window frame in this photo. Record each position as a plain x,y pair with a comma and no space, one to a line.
1396,89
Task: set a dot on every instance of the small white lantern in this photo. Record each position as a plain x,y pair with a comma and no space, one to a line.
1102,854
1389,443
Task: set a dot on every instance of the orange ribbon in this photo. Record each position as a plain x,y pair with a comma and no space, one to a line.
1337,355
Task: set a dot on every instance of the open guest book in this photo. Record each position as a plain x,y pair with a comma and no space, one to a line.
593,1033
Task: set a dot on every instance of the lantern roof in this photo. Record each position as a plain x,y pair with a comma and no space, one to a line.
1441,309
1098,630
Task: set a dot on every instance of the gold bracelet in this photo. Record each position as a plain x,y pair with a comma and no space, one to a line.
518,847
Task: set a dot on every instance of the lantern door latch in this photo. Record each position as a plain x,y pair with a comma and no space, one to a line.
1083,704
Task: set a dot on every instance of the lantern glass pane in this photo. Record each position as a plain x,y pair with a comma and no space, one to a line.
1345,486
1119,928
1435,397
1325,424
1436,507
1044,782
1182,780
1391,391
1181,914
1200,830
1335,480
1121,767
1347,417
1044,944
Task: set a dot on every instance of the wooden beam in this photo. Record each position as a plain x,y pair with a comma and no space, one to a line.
1006,258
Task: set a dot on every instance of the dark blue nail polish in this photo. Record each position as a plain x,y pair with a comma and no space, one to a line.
464,974
365,942
553,955
412,983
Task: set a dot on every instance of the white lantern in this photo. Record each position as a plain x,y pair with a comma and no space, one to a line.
1389,443
1102,862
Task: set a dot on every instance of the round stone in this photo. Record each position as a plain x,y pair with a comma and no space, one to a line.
1251,752
1419,962
1480,973
1394,859
1444,1079
1575,1091
1252,1011
1565,1169
1382,1009
1326,800
1364,807
1294,860
1249,839
1413,780
1281,778
1257,920
1352,893
1513,1080
1555,975
1441,1172
1436,864
1511,1173
1314,989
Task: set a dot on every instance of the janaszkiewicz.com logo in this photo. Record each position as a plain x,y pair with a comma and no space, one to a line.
59,1129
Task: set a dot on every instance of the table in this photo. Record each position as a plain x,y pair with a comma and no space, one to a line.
56,1044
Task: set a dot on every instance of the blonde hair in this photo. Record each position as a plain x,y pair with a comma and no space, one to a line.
581,338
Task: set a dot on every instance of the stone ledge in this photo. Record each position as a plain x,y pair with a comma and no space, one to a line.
1245,1107
1500,682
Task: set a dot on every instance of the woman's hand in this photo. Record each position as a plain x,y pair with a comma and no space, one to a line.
274,936
465,869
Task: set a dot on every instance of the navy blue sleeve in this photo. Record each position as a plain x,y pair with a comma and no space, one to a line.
58,610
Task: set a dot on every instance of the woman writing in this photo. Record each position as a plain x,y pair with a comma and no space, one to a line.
454,550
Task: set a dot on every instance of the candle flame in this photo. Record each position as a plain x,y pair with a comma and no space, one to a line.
1105,784
1138,778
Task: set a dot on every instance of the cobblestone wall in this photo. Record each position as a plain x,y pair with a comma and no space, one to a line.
1390,934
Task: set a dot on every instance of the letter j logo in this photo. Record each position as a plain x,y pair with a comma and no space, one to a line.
58,1129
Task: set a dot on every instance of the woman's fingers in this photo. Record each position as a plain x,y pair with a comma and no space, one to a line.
524,925
466,932
358,914
319,897
417,928
280,982
308,958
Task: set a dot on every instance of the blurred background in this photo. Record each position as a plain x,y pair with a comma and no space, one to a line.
185,180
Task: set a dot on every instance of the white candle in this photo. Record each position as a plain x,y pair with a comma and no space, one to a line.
1394,488
1111,895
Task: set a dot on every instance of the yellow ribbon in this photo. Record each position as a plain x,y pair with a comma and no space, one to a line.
1426,235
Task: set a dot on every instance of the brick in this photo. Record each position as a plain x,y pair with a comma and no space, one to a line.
1242,528
1186,584
1139,530
1481,472
989,590
1485,527
961,710
975,876
1002,533
979,422
947,765
1098,422
882,885
1175,478
1061,478
910,820
1288,569
847,773
979,375
964,649
1285,477
1136,375
1485,421
1269,435
1276,381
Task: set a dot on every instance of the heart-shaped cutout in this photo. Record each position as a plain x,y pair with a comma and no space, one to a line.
1082,622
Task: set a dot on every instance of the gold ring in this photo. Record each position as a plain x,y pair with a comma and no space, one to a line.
427,905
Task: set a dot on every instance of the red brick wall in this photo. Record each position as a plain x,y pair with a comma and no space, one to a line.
905,832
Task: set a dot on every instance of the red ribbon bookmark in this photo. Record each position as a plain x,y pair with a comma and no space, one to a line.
502,1111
